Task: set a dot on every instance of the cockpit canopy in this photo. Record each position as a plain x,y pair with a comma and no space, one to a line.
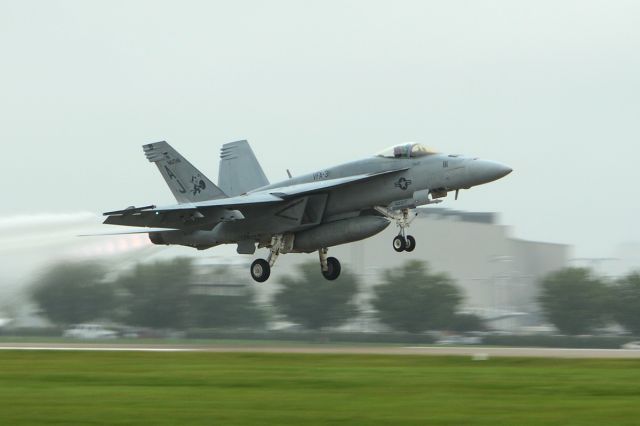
406,150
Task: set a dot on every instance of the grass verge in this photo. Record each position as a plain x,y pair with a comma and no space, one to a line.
42,387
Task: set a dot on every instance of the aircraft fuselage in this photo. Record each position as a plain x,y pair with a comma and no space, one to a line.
435,174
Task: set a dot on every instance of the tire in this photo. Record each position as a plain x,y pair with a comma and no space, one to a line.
260,270
333,269
411,243
399,243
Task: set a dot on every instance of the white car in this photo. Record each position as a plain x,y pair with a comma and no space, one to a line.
90,331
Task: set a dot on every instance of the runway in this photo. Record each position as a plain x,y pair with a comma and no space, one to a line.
479,353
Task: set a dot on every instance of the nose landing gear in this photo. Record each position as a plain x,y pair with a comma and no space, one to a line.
411,243
401,242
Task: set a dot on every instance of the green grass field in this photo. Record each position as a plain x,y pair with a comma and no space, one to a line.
46,387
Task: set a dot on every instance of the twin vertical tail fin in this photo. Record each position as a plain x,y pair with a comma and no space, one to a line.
186,182
239,170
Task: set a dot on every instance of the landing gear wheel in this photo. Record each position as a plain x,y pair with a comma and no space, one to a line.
399,243
333,269
260,270
411,243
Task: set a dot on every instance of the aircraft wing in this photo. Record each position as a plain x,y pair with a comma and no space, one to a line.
317,186
206,214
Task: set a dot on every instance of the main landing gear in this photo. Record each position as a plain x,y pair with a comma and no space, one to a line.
402,241
330,266
261,268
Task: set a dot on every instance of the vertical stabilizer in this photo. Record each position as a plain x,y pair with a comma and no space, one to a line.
186,182
239,171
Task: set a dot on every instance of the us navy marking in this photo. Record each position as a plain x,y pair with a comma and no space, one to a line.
403,183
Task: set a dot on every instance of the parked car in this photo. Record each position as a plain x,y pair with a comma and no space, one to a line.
90,331
632,345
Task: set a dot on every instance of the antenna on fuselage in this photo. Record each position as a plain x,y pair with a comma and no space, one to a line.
289,173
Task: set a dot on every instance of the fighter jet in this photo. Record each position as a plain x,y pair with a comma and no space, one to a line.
303,214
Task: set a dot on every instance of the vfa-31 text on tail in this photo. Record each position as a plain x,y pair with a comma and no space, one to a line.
303,214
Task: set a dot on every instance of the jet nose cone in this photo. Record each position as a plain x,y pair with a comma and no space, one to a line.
485,171
501,170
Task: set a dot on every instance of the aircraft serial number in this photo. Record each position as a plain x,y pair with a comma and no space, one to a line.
321,175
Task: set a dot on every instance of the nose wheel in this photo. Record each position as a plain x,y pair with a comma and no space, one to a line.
411,243
401,243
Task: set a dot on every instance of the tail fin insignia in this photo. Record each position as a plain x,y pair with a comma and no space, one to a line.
186,182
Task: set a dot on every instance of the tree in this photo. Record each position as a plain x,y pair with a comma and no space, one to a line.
155,295
627,302
414,300
73,292
314,302
574,300
210,311
467,322
231,310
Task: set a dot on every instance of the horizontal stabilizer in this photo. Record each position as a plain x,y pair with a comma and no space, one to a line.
135,231
129,210
175,218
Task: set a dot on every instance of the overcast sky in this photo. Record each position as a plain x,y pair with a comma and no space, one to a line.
551,88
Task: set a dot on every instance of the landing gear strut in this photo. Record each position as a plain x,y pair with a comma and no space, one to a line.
402,241
330,266
260,268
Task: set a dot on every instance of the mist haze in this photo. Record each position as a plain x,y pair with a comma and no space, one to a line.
537,264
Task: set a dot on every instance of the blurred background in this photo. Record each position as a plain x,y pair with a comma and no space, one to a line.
549,88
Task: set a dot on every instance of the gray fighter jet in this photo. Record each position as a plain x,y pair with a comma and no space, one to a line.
302,214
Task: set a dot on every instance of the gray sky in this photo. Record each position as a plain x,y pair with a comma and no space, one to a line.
551,88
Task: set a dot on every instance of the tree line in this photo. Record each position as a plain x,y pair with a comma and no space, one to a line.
155,295
577,301
161,295
411,299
